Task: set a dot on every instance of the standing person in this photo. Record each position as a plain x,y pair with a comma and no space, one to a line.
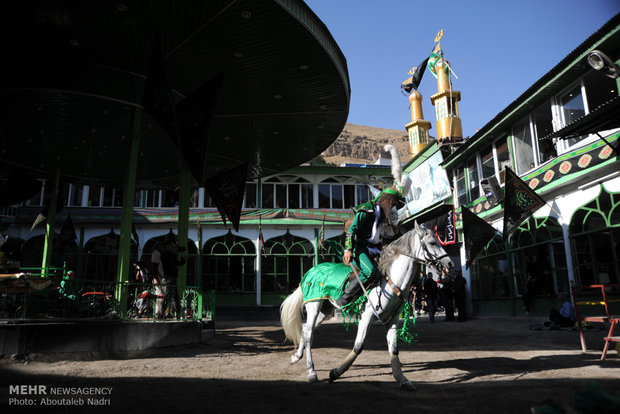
430,292
447,294
418,294
458,286
158,276
170,264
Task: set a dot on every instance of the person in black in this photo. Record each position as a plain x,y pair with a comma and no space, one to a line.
447,295
430,293
458,287
170,265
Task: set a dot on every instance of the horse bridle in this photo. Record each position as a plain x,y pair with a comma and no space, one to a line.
429,258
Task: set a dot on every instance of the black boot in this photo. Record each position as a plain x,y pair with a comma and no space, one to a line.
350,292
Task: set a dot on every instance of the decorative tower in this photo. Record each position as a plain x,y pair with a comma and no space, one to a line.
418,127
449,129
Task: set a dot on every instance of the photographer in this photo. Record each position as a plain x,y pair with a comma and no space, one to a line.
170,265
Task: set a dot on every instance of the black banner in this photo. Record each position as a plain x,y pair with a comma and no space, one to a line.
477,234
445,229
227,190
520,202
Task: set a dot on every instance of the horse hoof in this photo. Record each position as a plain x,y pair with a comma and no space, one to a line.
312,378
293,359
407,386
333,375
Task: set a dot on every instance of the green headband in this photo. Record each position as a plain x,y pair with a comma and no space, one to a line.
390,191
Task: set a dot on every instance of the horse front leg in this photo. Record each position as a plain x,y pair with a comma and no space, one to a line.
397,372
362,330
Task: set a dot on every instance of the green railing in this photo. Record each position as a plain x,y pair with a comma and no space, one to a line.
45,293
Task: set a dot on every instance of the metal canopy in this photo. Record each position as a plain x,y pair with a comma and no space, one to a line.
74,72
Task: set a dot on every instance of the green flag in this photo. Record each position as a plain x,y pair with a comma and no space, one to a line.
520,202
436,54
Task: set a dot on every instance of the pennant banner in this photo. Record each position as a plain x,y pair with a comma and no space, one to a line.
477,234
227,190
445,229
195,115
520,202
157,95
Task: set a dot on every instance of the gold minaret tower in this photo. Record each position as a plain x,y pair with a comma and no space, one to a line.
449,129
418,128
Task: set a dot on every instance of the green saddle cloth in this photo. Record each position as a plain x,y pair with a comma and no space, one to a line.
324,281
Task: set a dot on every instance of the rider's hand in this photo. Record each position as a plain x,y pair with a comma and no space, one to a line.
347,257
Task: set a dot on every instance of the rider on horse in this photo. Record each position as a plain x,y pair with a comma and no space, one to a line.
369,229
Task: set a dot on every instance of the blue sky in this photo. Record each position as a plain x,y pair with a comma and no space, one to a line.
497,48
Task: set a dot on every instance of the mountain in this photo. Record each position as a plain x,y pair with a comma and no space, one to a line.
361,144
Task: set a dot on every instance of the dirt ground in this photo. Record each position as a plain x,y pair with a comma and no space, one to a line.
485,365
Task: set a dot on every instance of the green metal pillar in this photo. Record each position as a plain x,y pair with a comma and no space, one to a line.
184,198
124,245
48,247
199,315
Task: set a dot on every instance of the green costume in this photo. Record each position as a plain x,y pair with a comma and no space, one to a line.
364,238
367,216
67,288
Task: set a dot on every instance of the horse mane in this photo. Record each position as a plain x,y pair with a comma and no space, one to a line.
403,245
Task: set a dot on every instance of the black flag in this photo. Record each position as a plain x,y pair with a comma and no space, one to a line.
445,228
520,202
194,116
477,233
67,233
414,81
227,190
157,96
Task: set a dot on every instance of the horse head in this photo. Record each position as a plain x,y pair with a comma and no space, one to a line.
433,254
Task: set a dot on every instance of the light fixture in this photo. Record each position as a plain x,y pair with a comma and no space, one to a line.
600,61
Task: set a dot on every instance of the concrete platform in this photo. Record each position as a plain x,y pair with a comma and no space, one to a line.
95,336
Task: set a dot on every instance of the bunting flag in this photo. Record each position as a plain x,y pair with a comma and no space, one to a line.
42,216
520,202
435,56
134,234
477,234
445,228
322,245
227,190
67,233
195,115
157,96
261,239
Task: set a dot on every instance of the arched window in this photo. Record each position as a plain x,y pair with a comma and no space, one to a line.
101,257
595,240
489,272
537,249
192,255
332,249
229,264
285,261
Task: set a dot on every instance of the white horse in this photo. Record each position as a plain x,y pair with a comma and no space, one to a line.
397,266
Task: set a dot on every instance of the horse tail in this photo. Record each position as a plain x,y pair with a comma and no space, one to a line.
290,315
